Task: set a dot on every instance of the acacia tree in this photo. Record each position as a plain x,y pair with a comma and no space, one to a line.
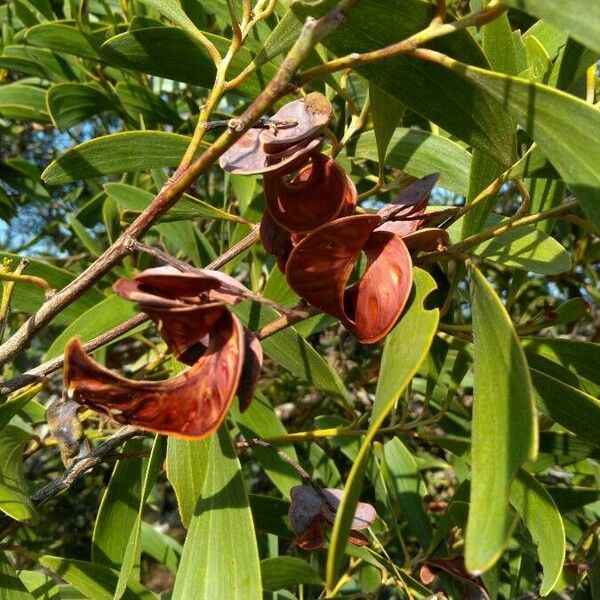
397,202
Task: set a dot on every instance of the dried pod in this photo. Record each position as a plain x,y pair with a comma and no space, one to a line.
311,114
320,266
248,157
184,306
275,239
311,514
190,405
317,195
411,203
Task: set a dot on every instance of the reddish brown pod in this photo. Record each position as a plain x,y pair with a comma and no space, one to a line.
320,265
281,149
318,194
312,514
192,317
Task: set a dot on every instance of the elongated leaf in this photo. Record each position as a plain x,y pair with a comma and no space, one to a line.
173,11
161,51
405,346
464,111
134,199
550,116
92,580
141,103
292,351
104,316
260,421
228,566
66,38
504,430
162,548
409,488
420,153
405,349
119,505
168,52
579,18
16,403
19,94
11,588
575,410
40,585
387,113
117,153
578,356
287,572
152,468
14,499
541,517
186,469
526,248
72,103
56,67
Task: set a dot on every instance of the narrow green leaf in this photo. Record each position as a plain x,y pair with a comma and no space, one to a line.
168,52
579,18
119,505
582,358
15,404
72,103
499,45
287,572
86,238
40,585
172,10
186,469
92,580
11,587
526,248
162,51
220,556
387,113
132,551
292,351
541,517
117,153
134,199
504,430
550,117
14,498
260,421
463,110
66,38
575,410
406,347
409,488
162,548
104,316
420,153
20,94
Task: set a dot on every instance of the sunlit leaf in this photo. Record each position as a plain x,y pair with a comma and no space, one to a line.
504,430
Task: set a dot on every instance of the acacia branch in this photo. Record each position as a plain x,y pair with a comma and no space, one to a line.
312,33
75,471
435,30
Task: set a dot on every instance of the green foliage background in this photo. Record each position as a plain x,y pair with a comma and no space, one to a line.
474,429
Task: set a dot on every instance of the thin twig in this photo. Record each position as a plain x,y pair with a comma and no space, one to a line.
302,472
408,45
74,472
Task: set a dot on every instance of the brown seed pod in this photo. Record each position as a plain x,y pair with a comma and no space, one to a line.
311,114
320,266
317,195
190,405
